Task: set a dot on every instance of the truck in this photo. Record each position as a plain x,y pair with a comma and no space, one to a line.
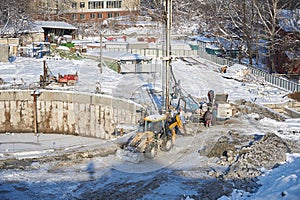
68,79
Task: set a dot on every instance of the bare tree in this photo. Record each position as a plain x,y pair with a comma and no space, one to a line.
250,21
51,10
152,8
230,20
14,16
183,11
269,14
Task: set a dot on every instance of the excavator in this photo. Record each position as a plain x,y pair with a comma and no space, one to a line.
159,133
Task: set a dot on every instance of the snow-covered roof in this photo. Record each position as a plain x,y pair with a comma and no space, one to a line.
124,56
132,57
55,24
37,27
205,39
33,29
29,28
229,45
213,46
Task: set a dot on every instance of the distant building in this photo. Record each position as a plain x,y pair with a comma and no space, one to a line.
84,10
56,28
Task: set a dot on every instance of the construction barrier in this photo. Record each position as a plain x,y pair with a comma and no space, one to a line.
84,114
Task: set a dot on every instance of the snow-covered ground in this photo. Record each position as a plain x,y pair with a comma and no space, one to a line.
178,174
279,183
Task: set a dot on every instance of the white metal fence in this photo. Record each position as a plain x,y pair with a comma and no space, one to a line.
271,78
276,80
155,52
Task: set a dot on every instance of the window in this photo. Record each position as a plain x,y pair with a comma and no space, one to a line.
82,16
82,4
74,5
96,5
92,16
91,5
113,4
99,15
109,4
110,15
119,4
74,16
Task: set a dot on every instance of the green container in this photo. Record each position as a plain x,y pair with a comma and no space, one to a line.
194,47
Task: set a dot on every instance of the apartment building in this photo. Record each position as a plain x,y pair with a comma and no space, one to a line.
93,10
83,10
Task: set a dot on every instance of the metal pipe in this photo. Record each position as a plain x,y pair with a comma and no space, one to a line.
100,64
35,94
167,53
35,113
45,74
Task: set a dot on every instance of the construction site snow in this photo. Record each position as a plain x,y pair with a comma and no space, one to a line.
196,80
183,173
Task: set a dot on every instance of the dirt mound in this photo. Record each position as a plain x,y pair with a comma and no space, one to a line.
265,153
222,148
1,81
244,156
294,95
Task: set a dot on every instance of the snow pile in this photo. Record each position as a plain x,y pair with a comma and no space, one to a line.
64,48
282,182
237,72
237,69
288,125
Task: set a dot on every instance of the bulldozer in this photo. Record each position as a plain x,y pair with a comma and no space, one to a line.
159,133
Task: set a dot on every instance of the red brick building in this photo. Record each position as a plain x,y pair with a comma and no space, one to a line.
84,10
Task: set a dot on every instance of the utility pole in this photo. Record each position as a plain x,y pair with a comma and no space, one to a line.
45,74
35,94
167,53
100,64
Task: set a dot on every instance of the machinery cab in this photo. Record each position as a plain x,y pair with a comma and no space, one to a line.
158,134
155,123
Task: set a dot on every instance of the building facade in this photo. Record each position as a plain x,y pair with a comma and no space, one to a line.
84,10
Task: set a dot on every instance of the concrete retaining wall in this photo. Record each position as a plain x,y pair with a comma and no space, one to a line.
4,49
65,112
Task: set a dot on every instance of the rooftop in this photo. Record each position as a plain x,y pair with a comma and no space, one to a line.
55,24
